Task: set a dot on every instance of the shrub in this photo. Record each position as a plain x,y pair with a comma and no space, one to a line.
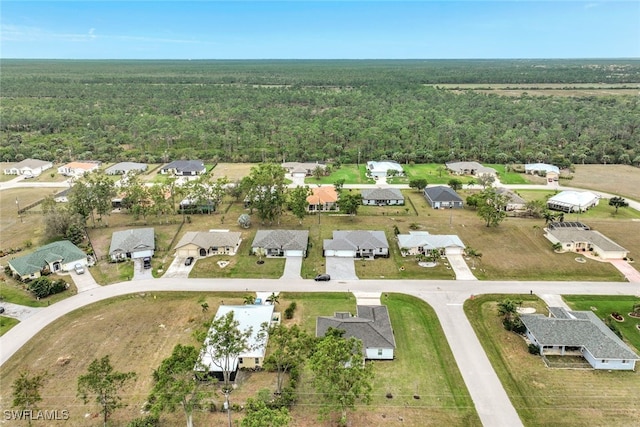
152,420
42,287
534,349
289,311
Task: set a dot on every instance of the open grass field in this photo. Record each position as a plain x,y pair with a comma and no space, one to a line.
139,330
622,180
352,174
543,396
233,171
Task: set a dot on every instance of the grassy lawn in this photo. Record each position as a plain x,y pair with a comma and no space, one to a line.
508,177
604,306
544,396
14,291
7,323
351,174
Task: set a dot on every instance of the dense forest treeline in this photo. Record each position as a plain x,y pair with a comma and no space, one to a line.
248,111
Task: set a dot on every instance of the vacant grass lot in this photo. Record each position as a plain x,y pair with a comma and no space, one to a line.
352,174
140,330
544,396
622,180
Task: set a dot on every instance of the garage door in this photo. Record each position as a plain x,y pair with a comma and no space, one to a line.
340,254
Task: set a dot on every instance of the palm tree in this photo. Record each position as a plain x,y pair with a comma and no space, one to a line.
273,298
249,300
508,309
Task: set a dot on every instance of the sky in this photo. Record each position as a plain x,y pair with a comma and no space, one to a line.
319,29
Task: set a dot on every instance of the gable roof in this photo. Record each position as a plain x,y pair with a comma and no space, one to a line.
125,167
382,194
185,166
87,166
210,239
324,194
471,167
132,240
429,241
442,193
575,234
577,329
63,251
384,166
281,239
354,240
513,197
31,163
372,326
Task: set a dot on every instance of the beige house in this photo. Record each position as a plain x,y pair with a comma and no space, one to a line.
323,199
200,244
578,237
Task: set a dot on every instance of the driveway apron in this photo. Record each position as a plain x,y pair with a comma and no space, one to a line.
460,267
292,267
341,268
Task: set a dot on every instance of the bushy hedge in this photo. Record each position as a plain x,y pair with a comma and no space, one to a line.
42,287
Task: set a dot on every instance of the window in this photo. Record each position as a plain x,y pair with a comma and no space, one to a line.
379,352
605,361
257,361
240,360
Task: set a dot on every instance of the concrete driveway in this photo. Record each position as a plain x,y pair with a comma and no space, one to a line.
84,281
460,267
139,272
20,312
341,268
178,269
292,267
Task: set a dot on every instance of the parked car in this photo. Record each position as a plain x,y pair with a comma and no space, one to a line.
188,261
322,278
1,310
79,268
146,261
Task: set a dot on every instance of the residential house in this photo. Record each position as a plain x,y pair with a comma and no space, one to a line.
469,168
382,197
571,333
371,325
421,242
442,197
133,243
550,172
323,199
125,167
578,237
514,201
57,256
356,244
300,170
281,243
184,168
573,201
381,169
29,167
63,196
78,169
250,318
199,244
197,206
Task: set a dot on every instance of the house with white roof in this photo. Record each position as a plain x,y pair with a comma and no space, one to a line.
469,168
300,169
421,242
381,169
250,318
371,325
78,169
125,167
550,172
29,167
569,333
578,237
573,201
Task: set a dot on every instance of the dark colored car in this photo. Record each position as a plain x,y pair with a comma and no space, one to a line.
188,261
1,309
146,262
322,278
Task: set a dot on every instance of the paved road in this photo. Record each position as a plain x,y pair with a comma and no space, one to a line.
446,297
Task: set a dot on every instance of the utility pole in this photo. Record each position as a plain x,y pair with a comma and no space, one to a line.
19,214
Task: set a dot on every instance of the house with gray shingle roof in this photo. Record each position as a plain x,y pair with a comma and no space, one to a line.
371,325
200,244
184,168
51,258
567,332
356,244
442,197
29,167
382,197
133,243
514,201
125,167
279,243
469,168
577,237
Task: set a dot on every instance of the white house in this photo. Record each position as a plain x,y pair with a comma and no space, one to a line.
421,242
382,197
514,201
279,243
573,201
29,167
381,169
184,168
300,170
578,237
371,325
356,244
125,167
567,333
250,318
77,169
469,168
133,243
